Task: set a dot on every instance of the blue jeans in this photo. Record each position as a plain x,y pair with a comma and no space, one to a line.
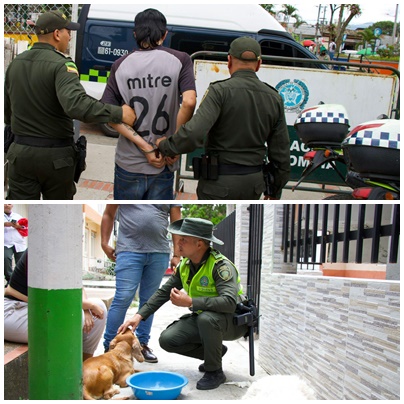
132,186
132,270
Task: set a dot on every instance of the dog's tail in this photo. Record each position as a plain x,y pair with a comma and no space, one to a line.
87,395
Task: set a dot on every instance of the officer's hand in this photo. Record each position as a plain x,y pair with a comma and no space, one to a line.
160,140
171,160
128,115
179,298
267,197
132,322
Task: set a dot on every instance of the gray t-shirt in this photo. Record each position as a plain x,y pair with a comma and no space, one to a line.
143,228
152,82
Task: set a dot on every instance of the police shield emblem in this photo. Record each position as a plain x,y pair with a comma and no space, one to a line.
224,272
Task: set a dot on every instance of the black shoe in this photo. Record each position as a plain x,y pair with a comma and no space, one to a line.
202,365
148,355
211,380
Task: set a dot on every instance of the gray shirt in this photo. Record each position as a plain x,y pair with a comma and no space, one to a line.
152,82
143,228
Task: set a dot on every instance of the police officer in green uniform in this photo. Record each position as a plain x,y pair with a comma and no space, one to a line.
211,290
42,94
244,120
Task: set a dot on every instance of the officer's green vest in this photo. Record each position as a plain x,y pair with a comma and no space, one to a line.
203,284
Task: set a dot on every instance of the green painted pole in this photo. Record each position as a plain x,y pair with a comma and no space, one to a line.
55,296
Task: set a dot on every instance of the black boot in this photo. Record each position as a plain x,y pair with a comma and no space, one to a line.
211,380
202,365
148,354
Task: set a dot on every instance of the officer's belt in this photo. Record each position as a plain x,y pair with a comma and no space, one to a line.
237,169
42,141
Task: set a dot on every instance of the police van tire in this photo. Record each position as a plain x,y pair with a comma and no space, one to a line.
108,131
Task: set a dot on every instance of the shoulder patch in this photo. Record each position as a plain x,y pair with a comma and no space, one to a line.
71,68
225,273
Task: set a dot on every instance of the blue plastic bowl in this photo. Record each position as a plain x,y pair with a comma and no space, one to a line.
156,385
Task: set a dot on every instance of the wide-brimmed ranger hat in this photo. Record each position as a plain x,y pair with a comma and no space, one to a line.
194,227
53,20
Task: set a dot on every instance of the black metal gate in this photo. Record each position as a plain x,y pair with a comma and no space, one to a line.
225,231
255,251
312,233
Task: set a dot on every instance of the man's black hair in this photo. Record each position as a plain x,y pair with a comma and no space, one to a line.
150,27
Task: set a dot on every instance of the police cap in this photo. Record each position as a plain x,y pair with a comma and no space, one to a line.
245,44
53,20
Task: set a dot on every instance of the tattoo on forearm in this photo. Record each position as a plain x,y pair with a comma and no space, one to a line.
134,133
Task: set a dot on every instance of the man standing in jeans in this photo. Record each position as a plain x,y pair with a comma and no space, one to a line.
142,255
159,84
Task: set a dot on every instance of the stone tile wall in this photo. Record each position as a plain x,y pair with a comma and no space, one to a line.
341,335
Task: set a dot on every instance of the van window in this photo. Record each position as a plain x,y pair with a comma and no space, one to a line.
191,41
278,47
105,43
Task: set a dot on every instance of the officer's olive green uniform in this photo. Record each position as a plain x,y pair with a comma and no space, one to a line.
42,94
200,334
239,115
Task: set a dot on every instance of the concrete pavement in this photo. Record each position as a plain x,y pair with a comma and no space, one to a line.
239,383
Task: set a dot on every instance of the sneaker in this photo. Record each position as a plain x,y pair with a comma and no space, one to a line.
202,365
211,380
148,355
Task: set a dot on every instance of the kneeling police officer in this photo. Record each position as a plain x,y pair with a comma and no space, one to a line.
211,290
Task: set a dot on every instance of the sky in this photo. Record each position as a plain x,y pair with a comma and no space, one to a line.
371,12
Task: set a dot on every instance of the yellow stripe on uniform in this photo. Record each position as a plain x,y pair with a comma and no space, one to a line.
71,68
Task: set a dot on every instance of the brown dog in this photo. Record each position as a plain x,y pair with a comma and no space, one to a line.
100,373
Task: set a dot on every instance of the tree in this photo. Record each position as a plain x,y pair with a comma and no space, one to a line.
368,38
269,8
288,11
337,31
299,21
214,213
385,26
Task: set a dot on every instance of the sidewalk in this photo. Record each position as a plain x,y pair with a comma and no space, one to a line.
239,384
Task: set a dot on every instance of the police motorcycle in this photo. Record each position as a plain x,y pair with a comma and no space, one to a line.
370,151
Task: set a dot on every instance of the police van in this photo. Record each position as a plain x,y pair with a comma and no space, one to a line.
106,34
